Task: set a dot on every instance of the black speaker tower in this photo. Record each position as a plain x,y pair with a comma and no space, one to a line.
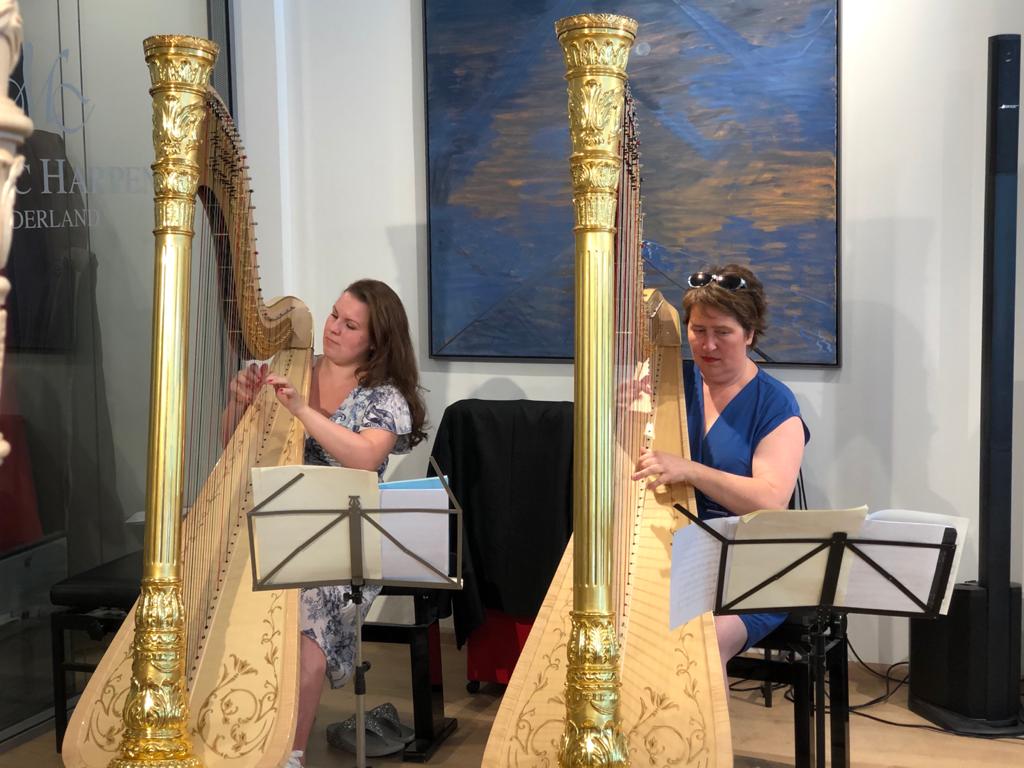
965,667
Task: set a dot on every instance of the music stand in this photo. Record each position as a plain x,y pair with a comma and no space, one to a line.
828,590
301,537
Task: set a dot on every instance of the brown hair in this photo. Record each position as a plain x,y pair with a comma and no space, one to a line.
391,360
747,305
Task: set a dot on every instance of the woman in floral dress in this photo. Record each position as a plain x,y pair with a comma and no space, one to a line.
364,405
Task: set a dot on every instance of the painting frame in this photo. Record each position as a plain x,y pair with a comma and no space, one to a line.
455,287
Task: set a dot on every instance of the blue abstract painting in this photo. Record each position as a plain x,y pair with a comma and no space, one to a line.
737,103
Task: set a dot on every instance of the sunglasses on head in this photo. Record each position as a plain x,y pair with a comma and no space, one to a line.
728,282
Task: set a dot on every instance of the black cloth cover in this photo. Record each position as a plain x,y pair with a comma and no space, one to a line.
510,466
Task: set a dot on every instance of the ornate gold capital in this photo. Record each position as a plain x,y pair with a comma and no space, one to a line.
180,61
595,23
179,68
592,735
156,710
596,50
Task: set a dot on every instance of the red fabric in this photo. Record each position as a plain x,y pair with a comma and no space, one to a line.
19,515
493,648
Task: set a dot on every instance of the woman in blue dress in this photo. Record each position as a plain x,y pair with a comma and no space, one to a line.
746,434
364,405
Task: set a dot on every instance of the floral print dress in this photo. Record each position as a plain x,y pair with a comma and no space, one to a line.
326,617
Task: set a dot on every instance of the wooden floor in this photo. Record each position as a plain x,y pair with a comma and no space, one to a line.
762,737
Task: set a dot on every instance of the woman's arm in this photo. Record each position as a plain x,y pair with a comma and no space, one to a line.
365,449
775,466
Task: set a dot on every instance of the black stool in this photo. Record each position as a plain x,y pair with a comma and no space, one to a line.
801,653
429,723
95,601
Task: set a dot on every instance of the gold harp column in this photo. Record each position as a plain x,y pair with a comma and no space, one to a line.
596,48
156,711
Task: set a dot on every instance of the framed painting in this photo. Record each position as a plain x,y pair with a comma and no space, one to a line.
737,104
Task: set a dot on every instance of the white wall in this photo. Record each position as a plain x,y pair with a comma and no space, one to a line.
895,426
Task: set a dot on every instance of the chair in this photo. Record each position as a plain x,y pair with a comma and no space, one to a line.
96,602
804,652
429,723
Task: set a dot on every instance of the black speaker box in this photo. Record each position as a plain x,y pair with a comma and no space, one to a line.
949,665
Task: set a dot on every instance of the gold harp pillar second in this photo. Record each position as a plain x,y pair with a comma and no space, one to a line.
596,48
156,710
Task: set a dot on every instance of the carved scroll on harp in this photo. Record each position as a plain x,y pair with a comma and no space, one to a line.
602,680
15,127
203,670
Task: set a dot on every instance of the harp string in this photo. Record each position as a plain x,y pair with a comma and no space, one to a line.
218,350
631,412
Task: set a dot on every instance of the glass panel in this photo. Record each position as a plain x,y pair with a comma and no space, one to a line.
75,395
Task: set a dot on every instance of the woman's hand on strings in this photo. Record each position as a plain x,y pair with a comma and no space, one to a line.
243,388
634,393
660,468
287,395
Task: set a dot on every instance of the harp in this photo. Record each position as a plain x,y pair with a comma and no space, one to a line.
203,670
602,680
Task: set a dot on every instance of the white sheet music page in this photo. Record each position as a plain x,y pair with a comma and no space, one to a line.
696,557
694,575
296,523
914,567
423,533
750,565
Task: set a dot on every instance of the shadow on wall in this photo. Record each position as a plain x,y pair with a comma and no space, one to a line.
415,464
498,389
899,335
885,425
901,406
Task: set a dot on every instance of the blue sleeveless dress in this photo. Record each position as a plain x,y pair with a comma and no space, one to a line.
762,405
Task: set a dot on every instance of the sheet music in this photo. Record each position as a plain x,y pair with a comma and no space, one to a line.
696,558
694,575
913,567
416,483
325,490
301,535
424,533
750,565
